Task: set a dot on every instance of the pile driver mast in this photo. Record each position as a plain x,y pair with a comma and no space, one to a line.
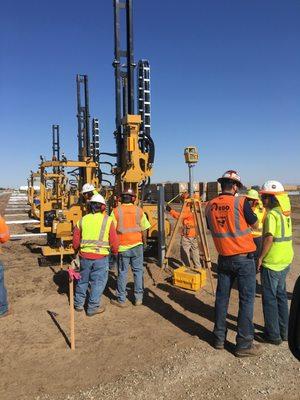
135,148
60,211
55,143
88,151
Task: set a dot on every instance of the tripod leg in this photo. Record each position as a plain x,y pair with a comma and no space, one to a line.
202,235
177,225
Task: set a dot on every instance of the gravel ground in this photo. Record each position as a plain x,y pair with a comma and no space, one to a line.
161,350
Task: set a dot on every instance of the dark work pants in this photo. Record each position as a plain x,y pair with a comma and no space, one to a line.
242,269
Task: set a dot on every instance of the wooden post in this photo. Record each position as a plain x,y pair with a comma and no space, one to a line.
61,249
202,233
72,317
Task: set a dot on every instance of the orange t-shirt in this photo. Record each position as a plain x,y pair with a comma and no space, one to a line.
188,221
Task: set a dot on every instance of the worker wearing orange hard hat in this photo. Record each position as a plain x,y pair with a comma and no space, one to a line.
229,218
259,210
188,243
4,237
131,225
275,261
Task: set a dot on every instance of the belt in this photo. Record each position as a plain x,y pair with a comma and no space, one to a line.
244,255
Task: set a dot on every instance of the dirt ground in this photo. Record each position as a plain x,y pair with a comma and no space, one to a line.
161,350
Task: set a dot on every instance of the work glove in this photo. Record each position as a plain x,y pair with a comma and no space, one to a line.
168,208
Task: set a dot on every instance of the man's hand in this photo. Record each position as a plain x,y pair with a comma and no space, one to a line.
259,264
75,263
168,208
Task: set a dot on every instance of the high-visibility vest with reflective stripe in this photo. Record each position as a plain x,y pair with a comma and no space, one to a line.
260,212
4,232
95,233
128,227
228,227
281,253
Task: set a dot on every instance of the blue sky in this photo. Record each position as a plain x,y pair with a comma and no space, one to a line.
225,77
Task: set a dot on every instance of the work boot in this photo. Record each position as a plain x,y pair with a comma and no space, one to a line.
138,303
218,345
262,338
98,310
118,303
5,314
253,351
78,309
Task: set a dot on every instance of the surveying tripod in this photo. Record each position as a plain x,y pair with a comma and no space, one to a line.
201,235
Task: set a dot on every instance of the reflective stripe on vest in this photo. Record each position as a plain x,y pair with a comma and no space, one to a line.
238,232
283,238
120,226
99,242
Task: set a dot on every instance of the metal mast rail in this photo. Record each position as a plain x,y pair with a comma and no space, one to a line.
124,69
83,117
55,143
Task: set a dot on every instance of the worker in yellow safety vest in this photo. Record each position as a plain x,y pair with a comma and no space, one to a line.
275,260
95,237
259,210
4,237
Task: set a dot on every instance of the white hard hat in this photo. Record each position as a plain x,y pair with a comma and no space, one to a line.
232,175
97,198
87,187
272,187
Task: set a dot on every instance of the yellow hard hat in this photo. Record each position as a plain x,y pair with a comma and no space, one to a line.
252,194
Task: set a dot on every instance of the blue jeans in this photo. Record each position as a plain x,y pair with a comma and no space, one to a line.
241,268
275,303
135,258
94,272
3,293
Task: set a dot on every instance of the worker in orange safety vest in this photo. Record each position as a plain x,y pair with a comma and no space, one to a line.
230,218
132,225
4,237
189,242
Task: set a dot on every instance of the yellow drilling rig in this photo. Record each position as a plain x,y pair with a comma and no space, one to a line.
135,148
60,211
33,194
61,180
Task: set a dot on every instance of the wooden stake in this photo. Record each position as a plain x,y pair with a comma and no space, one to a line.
61,249
72,317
